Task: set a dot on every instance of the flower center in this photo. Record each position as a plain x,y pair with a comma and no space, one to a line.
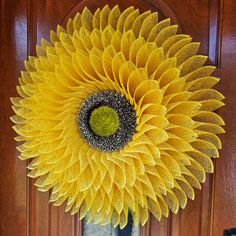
104,121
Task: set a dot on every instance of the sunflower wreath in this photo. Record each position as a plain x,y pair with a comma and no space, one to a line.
117,114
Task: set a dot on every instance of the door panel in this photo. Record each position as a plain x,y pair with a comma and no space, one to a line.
24,210
13,183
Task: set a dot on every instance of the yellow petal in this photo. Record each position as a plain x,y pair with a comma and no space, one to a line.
114,16
165,34
148,25
105,12
86,19
122,17
139,21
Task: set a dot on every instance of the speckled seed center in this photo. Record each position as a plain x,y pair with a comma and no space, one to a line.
126,117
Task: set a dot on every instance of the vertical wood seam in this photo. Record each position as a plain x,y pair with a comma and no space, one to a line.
219,5
201,213
31,41
49,218
75,225
79,225
214,31
220,22
179,229
212,198
169,226
58,221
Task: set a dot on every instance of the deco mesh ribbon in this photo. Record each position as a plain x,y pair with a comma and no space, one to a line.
116,113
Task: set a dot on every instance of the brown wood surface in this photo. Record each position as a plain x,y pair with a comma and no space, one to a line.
26,212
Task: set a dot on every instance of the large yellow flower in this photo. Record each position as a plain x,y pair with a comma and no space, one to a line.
117,114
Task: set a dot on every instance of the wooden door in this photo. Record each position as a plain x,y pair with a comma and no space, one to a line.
24,210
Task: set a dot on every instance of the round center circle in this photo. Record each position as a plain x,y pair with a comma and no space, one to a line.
104,121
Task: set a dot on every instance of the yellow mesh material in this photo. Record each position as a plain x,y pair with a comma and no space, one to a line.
172,93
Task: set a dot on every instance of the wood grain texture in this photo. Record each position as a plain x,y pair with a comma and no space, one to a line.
224,204
26,212
13,181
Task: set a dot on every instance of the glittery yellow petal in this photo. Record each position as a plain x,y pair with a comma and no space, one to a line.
126,43
85,179
148,25
154,60
86,19
143,54
192,64
137,24
166,64
122,17
104,16
130,19
114,16
136,45
77,21
168,45
200,72
165,34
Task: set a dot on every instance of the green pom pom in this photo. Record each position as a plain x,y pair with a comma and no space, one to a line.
104,121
